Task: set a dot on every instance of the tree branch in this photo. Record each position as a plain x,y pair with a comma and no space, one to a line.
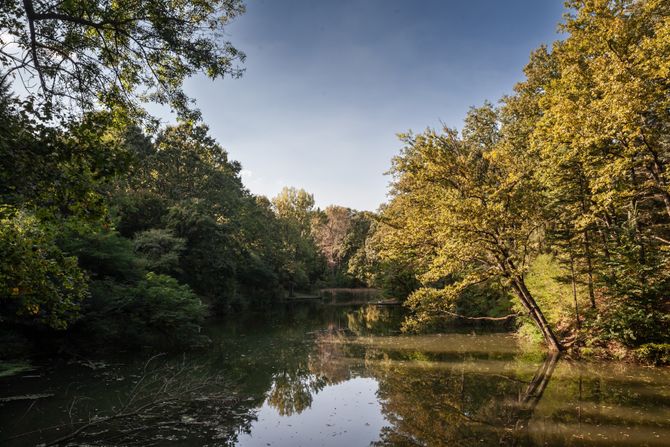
30,15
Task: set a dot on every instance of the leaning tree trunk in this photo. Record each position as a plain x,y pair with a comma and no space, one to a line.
536,314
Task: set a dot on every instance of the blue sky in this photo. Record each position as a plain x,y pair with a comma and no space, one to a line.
329,84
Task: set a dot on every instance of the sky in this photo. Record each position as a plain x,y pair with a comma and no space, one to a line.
329,84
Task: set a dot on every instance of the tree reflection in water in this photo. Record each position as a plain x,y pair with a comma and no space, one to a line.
453,389
301,377
162,402
452,408
292,391
425,397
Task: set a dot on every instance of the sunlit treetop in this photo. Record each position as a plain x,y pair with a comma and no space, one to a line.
76,55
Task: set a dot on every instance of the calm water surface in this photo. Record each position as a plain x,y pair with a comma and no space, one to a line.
318,375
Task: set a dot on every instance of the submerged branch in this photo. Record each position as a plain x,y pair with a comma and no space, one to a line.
464,317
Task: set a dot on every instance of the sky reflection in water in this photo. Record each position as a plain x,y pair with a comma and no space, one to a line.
344,414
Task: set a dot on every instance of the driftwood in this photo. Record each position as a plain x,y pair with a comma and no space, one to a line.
25,397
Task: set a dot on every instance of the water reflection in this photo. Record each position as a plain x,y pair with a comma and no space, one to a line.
461,389
157,402
332,375
292,392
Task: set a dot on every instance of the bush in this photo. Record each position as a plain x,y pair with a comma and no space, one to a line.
39,284
103,253
157,310
633,323
170,307
654,353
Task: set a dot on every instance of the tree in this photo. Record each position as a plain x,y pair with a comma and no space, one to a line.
161,250
330,229
300,258
259,270
188,163
121,53
155,309
377,260
211,254
183,183
601,141
297,206
60,172
470,210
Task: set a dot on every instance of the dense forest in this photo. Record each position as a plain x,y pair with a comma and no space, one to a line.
549,210
112,234
565,181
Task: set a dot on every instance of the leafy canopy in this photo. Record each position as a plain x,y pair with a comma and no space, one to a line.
116,53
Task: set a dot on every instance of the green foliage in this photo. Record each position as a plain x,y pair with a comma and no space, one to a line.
184,184
431,313
103,253
296,206
602,153
208,261
186,163
632,323
259,269
574,163
138,210
393,271
467,209
489,299
301,261
54,256
654,353
78,54
155,310
39,284
161,250
59,172
169,307
551,284
112,209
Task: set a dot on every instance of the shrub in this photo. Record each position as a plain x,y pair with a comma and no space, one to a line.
39,284
156,310
103,253
634,323
654,353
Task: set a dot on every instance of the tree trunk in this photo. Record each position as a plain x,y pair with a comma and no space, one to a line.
587,241
656,173
536,314
521,412
589,268
574,291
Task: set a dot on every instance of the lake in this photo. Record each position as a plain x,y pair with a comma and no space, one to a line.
335,375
